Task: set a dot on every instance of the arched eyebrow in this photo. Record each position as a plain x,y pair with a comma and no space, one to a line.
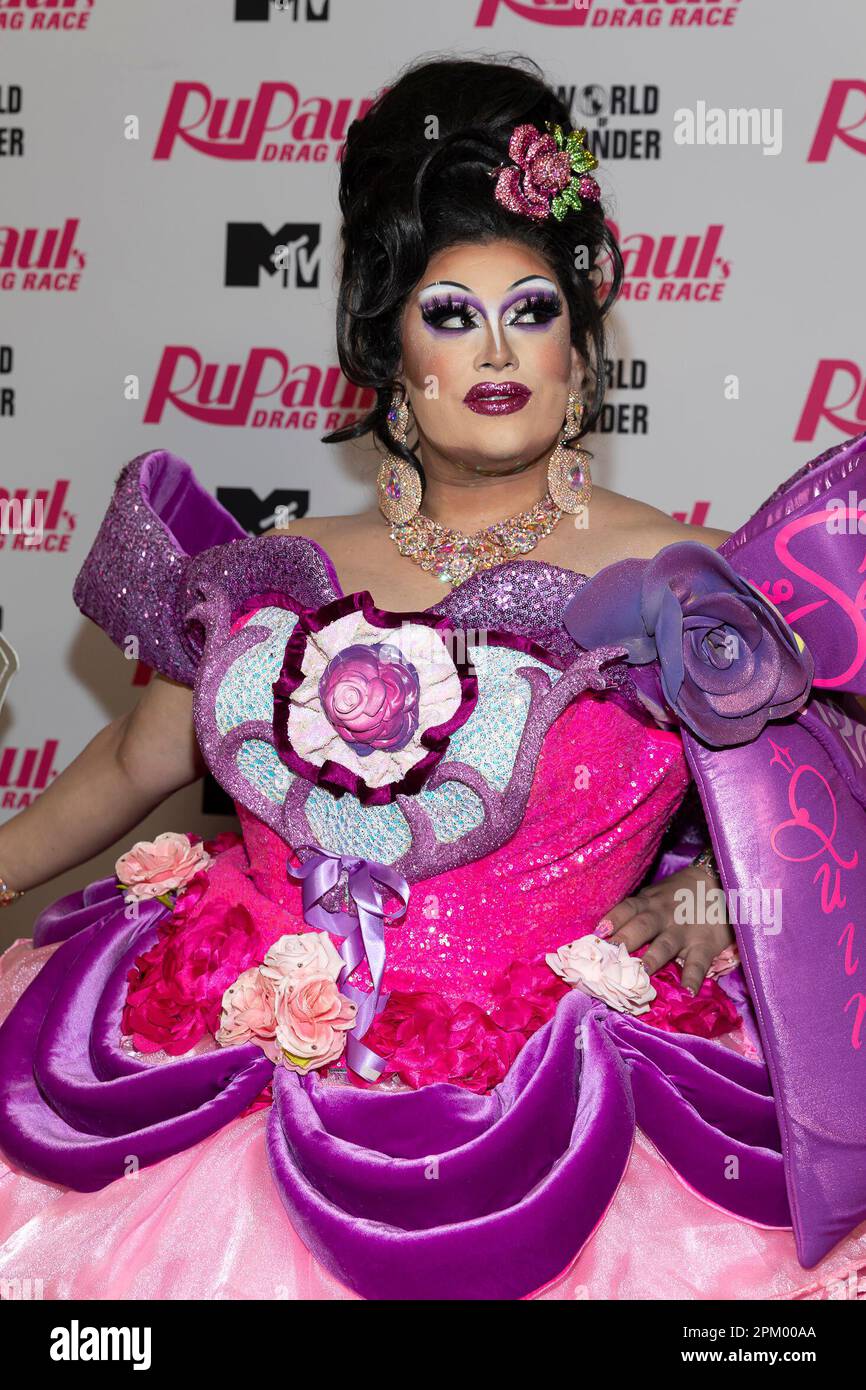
455,284
529,277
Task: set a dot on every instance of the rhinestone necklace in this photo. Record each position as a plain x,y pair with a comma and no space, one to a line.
454,556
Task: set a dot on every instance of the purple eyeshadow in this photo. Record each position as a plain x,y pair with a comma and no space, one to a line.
547,302
438,308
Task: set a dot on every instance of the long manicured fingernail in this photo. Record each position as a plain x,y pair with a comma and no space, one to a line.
605,927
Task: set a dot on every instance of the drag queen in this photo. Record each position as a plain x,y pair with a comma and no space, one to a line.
544,930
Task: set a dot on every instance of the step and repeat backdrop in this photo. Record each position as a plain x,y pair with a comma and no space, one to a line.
168,266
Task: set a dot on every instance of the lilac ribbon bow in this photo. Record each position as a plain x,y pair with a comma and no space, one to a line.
364,936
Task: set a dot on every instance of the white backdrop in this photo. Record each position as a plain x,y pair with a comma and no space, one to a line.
132,250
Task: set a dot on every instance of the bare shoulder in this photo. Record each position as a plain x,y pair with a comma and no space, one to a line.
673,531
642,530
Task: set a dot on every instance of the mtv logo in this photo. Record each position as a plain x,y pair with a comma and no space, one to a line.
257,514
8,666
293,250
258,11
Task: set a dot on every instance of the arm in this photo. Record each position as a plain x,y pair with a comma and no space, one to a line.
125,771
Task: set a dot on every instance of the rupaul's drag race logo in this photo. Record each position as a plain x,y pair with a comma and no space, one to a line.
25,772
266,391
40,258
696,515
844,112
632,14
674,268
838,395
45,15
275,125
36,520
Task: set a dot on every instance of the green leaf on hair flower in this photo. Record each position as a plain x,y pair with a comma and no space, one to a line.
562,203
567,199
556,132
582,159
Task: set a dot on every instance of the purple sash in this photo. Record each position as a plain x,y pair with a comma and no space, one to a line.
787,812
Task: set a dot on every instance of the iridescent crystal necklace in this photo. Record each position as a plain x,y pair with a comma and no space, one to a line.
454,556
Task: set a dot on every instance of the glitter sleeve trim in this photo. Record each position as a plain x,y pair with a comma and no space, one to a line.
131,582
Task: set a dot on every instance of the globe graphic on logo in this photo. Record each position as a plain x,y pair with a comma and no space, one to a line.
593,100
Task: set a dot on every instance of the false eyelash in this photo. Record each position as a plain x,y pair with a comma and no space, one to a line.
545,302
435,311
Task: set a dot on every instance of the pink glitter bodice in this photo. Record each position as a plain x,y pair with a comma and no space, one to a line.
604,789
586,788
531,797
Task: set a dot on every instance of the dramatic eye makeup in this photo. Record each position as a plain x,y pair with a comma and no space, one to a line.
535,308
450,312
446,306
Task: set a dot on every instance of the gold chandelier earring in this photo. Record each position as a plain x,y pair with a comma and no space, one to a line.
398,482
569,481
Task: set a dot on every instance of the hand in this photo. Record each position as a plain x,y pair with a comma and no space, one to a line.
650,916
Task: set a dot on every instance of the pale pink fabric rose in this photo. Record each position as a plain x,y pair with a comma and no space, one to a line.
163,865
248,1013
313,1018
606,971
302,953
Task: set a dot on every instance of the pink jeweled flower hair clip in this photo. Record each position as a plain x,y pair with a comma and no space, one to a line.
550,173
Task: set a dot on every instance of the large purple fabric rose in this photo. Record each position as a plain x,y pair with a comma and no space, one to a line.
727,660
369,694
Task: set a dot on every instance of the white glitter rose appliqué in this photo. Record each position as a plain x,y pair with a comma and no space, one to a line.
367,706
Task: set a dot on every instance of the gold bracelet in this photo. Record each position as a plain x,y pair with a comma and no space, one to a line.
7,894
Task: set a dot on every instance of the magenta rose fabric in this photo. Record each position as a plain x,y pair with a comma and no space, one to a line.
370,694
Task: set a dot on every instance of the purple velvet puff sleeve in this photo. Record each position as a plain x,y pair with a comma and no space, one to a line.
132,581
